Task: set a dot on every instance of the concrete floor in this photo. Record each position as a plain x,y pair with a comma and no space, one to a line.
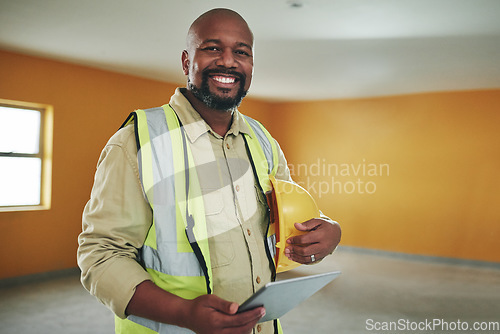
373,291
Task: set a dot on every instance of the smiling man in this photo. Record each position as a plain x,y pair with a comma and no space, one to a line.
231,54
218,63
176,232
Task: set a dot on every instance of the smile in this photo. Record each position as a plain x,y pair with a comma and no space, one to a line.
224,79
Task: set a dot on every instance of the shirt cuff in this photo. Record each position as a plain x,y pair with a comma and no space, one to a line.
117,284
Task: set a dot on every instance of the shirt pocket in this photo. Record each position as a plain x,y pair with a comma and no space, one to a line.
219,230
221,250
213,201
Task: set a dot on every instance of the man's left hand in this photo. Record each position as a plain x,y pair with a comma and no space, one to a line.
321,239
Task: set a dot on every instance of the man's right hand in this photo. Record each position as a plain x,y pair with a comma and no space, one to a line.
205,314
211,314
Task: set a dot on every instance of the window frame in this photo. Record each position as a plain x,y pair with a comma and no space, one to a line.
44,153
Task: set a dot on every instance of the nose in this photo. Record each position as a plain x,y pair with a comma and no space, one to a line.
226,58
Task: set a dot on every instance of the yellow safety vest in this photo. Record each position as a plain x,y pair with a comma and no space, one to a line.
176,252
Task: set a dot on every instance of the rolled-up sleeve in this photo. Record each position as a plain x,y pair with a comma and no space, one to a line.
115,223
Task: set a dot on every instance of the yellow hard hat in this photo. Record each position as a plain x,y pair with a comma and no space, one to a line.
289,203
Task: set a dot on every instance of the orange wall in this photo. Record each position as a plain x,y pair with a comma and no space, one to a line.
438,191
442,149
89,106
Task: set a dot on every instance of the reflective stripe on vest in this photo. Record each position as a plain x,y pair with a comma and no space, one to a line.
163,180
266,146
167,253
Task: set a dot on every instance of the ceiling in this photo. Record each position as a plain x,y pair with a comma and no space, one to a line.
304,49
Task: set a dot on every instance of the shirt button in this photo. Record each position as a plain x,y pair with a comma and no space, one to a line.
258,280
237,188
227,145
249,232
259,328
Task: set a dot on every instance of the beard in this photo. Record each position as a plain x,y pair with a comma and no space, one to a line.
213,100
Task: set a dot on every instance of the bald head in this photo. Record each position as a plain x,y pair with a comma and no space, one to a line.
218,60
214,16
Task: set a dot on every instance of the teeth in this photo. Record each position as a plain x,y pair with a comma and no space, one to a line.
224,79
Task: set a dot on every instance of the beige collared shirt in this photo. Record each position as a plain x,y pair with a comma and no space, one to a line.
117,217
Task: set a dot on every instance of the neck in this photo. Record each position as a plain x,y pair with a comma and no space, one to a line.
218,120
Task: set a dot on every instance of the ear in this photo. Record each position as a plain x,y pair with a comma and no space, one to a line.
185,62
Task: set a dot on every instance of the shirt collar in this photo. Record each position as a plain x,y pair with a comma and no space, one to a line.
195,125
239,124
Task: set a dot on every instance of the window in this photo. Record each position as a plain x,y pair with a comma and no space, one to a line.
25,155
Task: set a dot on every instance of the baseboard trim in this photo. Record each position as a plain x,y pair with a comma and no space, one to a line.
39,277
423,258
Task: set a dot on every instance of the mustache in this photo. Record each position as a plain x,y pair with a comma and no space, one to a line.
240,76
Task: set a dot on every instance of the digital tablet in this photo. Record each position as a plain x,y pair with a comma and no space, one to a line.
281,296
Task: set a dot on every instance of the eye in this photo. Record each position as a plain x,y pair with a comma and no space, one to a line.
210,48
242,53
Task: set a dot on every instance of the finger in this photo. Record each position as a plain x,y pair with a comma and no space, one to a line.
303,254
223,306
310,237
253,315
305,259
247,319
299,258
302,250
309,225
233,308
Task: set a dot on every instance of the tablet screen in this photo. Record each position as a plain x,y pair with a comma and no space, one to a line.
281,296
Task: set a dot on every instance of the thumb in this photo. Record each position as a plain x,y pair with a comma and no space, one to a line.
233,308
309,225
224,306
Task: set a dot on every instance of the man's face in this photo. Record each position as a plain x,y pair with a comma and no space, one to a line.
219,62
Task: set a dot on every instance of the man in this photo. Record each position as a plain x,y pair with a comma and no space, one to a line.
175,234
